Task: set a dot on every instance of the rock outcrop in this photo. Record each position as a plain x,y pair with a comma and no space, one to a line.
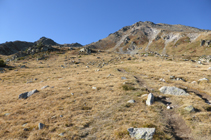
142,133
172,91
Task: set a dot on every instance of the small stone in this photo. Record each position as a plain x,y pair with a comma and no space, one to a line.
6,114
109,75
150,99
190,108
44,87
61,134
172,77
131,101
72,93
204,79
69,88
209,68
194,82
61,116
24,124
26,129
94,87
123,78
27,94
161,79
143,95
87,66
41,126
168,107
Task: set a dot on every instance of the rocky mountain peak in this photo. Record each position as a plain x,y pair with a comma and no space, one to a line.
46,41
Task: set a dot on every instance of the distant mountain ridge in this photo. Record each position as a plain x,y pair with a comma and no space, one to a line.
13,47
141,37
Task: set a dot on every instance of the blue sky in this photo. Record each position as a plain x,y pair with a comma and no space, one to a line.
87,21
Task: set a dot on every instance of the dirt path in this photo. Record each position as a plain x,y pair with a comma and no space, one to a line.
177,126
175,123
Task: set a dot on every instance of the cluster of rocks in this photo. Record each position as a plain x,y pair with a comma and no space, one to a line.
207,43
85,50
204,59
177,78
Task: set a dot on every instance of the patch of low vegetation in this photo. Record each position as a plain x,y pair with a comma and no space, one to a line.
128,87
2,63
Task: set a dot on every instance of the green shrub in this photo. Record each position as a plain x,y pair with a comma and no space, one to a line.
128,87
2,63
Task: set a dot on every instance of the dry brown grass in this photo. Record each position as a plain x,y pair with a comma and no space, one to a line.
101,113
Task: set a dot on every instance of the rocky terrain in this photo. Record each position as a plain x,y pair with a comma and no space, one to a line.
10,48
134,84
163,39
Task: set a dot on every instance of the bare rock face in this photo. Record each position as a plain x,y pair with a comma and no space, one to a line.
172,91
142,133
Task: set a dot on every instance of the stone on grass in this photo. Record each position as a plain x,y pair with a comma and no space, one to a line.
142,133
131,101
44,87
27,94
150,99
94,87
209,68
194,82
168,107
143,95
41,126
61,134
172,91
203,79
123,78
190,108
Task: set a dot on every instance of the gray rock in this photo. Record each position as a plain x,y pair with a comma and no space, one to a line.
190,108
142,133
203,79
61,134
6,114
172,91
172,77
131,101
150,99
123,78
23,66
27,94
41,126
44,87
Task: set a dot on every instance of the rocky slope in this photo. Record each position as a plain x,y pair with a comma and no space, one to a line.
161,38
9,48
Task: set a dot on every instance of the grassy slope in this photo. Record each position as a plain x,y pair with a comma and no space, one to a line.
102,113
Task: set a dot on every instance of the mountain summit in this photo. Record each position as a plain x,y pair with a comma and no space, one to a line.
148,36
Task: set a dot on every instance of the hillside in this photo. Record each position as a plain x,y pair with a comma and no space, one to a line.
145,81
163,39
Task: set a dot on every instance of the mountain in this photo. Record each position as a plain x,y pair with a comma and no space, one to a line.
160,38
46,41
9,48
